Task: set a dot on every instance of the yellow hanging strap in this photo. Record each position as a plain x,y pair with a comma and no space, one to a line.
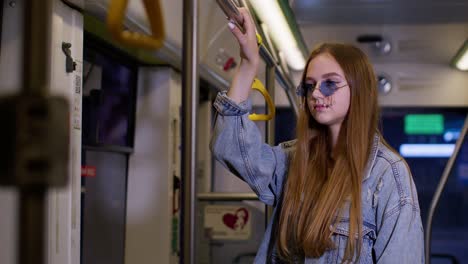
258,85
115,19
259,40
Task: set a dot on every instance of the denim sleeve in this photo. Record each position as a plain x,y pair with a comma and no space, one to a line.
400,236
237,143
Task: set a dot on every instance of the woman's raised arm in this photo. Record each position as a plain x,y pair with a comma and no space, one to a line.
236,142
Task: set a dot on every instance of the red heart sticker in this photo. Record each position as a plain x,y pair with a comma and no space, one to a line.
238,220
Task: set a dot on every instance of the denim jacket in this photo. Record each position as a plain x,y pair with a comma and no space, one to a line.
392,230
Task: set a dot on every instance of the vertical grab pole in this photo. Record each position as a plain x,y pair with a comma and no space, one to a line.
440,188
36,47
292,99
36,68
270,124
270,87
189,118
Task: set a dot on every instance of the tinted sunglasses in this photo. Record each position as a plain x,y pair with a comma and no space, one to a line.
327,88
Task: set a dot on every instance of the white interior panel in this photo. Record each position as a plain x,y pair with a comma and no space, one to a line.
424,85
64,204
152,166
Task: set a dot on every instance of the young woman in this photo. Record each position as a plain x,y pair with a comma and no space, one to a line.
341,194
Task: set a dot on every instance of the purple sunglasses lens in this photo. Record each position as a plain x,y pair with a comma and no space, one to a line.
327,88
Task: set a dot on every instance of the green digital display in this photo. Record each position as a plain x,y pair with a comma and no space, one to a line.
424,124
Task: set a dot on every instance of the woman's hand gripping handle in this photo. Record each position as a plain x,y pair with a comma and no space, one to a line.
250,58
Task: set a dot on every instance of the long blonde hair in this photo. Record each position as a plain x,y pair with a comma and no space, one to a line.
317,186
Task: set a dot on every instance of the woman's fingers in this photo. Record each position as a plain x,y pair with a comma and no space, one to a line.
248,21
248,40
236,32
247,24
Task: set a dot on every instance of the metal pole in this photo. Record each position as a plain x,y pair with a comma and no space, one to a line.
270,125
189,106
270,87
36,68
227,197
36,46
32,225
266,56
289,88
292,100
440,188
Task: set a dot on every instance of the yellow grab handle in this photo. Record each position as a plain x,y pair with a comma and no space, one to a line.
258,85
115,18
259,39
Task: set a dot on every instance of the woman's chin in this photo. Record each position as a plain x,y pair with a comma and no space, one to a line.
325,119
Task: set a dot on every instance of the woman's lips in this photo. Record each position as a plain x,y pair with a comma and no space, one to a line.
320,107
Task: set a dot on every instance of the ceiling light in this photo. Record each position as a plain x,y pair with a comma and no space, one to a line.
460,61
271,14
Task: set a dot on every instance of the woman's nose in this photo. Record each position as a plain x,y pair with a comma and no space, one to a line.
315,92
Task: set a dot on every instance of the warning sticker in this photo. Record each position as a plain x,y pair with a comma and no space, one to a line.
77,84
88,171
227,222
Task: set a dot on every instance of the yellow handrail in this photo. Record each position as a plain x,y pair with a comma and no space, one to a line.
116,16
258,85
